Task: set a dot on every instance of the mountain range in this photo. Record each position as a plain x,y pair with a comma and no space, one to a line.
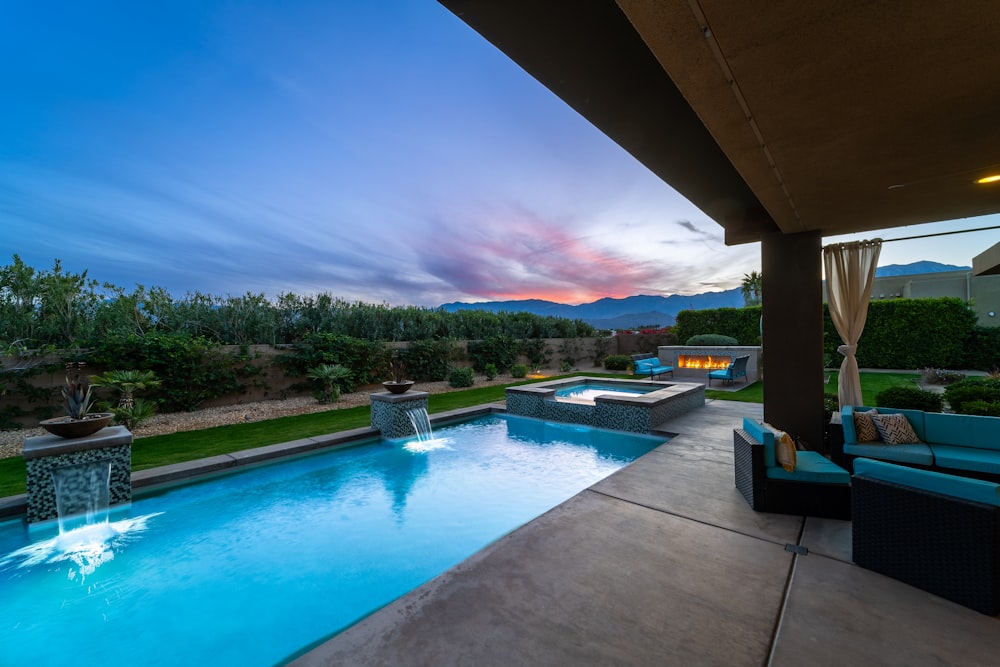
649,310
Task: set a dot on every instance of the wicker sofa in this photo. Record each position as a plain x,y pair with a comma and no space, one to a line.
817,487
964,445
938,532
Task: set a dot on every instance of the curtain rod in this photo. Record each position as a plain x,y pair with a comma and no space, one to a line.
927,236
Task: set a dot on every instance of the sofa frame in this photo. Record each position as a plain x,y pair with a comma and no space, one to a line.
941,544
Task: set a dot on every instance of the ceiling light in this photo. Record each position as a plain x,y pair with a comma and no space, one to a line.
992,178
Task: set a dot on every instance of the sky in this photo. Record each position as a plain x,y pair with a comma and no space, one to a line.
380,151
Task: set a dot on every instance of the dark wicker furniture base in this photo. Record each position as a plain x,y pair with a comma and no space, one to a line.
832,501
943,545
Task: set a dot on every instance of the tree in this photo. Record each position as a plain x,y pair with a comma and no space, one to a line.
752,288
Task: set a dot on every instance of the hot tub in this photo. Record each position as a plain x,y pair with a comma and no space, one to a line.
638,406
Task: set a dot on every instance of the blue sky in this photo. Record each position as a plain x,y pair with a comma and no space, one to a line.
376,150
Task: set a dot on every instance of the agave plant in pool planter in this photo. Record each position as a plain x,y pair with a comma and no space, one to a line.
78,399
397,369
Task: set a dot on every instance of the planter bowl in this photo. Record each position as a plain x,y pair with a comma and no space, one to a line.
67,427
398,387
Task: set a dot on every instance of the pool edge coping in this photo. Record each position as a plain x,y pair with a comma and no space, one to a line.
11,507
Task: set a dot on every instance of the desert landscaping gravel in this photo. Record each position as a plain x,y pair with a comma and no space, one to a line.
12,442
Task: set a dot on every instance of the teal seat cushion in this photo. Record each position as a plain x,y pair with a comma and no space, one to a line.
962,430
764,436
975,490
811,467
915,453
966,458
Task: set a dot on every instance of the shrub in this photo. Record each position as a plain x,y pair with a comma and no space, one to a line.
192,369
461,377
490,371
518,370
617,362
566,366
909,398
536,350
982,408
972,390
132,415
711,339
499,350
366,360
429,359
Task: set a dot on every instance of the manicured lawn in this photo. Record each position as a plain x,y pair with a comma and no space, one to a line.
162,450
871,385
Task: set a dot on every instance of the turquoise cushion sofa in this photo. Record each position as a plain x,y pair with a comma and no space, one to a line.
650,366
966,445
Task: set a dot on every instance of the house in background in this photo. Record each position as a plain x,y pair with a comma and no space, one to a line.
981,291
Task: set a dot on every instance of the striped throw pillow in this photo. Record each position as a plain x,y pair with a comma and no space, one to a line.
895,429
865,427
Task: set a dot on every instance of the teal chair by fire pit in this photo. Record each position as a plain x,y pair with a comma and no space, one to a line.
737,369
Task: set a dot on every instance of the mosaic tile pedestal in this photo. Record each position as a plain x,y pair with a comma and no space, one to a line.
45,453
389,412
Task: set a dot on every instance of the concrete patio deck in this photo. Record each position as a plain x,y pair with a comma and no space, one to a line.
663,563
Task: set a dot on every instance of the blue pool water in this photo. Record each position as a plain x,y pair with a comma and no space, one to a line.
252,567
588,390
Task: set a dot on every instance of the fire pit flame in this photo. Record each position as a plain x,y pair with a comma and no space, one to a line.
703,362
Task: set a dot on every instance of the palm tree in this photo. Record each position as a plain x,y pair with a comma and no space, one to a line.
752,288
127,383
330,375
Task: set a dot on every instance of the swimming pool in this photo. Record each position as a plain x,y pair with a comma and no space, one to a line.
253,567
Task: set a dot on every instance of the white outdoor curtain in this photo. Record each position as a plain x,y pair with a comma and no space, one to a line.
850,274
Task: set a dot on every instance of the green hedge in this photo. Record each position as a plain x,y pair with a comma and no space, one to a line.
743,324
912,333
192,369
899,333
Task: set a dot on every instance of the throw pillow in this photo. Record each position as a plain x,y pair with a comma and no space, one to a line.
785,452
865,427
895,429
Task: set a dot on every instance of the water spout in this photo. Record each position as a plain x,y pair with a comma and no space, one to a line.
83,492
421,423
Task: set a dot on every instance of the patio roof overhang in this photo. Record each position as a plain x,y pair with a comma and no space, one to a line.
784,116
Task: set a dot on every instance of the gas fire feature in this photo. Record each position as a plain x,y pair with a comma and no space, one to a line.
698,360
705,362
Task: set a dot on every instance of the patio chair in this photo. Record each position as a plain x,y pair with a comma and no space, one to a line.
737,369
818,487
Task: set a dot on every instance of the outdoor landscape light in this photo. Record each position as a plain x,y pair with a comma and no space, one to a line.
992,178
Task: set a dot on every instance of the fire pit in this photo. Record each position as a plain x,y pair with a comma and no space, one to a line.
696,361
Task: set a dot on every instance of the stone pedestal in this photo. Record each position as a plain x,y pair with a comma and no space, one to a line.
389,412
45,453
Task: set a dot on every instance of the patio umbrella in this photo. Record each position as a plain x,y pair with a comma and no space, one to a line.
850,274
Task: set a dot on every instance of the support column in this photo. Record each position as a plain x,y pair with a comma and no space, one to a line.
792,266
